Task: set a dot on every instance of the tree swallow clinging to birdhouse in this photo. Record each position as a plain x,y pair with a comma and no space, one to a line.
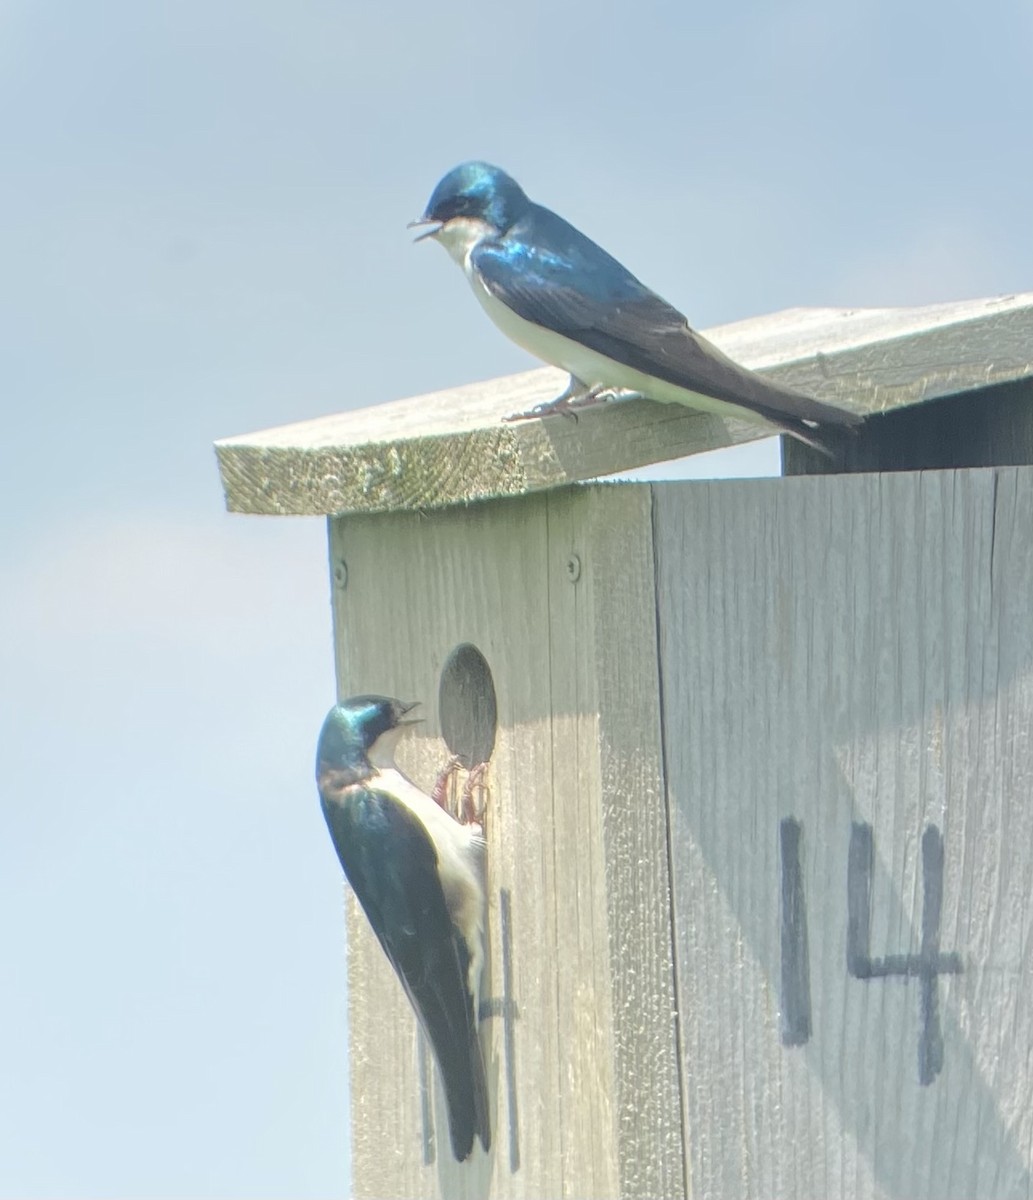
417,873
563,298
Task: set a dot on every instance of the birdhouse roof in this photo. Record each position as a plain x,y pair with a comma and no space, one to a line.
453,446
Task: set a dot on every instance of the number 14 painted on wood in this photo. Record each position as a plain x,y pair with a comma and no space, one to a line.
926,966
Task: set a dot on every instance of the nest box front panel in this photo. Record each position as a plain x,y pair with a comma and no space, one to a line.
504,620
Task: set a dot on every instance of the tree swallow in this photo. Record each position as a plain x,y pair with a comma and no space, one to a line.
417,873
563,298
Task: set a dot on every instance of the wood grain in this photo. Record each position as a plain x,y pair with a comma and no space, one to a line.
852,653
576,841
452,447
779,941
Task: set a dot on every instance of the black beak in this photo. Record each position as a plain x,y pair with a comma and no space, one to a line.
406,707
435,227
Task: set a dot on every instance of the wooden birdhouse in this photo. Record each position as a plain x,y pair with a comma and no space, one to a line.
760,781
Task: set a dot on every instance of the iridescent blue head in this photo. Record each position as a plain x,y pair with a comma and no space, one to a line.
474,191
357,736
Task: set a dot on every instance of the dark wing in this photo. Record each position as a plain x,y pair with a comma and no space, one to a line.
550,274
391,864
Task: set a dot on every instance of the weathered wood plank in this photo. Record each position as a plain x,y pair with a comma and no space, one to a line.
452,447
621,573
847,667
577,854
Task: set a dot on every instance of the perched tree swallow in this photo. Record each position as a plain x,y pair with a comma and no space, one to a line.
417,873
563,298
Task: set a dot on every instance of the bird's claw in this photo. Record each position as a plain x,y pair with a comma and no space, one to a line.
560,407
471,811
575,395
606,395
440,793
565,404
473,799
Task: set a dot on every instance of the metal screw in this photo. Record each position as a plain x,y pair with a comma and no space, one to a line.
341,574
573,568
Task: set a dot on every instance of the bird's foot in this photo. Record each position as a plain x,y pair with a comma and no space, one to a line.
603,395
469,807
475,796
570,398
560,407
573,400
440,794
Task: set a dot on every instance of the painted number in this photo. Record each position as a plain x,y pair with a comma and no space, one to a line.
926,966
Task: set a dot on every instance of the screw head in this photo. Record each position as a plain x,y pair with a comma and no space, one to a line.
341,573
573,568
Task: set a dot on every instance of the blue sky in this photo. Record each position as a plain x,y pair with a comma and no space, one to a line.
202,218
